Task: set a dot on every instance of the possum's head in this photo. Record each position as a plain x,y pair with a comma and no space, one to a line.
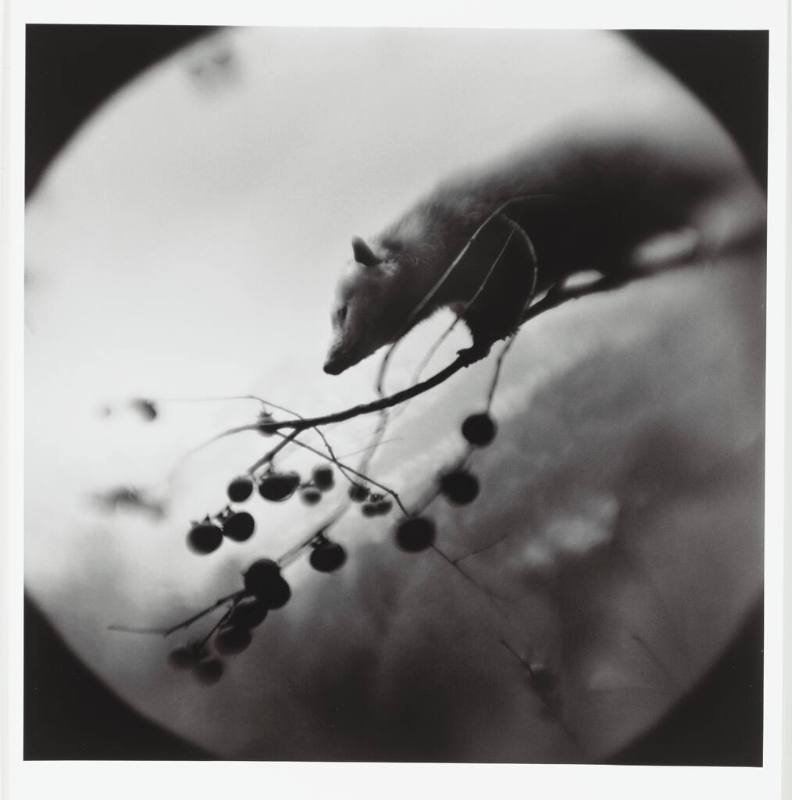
367,313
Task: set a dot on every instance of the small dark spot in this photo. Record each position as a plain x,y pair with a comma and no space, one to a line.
128,498
146,408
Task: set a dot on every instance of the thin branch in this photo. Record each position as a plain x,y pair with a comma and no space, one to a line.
464,359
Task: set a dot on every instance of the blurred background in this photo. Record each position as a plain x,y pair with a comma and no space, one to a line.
71,71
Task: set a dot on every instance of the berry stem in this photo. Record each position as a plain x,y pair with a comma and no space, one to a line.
233,597
217,624
354,472
270,455
498,366
289,556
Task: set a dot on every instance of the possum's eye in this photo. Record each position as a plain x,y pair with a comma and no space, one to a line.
341,314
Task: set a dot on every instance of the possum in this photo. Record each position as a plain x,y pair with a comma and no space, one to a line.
602,198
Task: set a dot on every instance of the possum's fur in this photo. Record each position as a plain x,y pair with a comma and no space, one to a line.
604,200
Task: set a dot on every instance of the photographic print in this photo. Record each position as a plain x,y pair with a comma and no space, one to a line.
395,395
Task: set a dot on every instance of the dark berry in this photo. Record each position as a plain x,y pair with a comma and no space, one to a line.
327,557
209,670
260,577
263,579
358,492
240,489
479,429
181,658
415,534
310,496
279,486
383,506
278,594
376,505
459,486
265,423
231,640
248,612
198,649
323,477
204,538
369,509
239,526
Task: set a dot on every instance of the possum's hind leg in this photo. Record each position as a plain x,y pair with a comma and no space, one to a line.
506,264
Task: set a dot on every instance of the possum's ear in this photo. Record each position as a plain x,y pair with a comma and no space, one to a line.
363,253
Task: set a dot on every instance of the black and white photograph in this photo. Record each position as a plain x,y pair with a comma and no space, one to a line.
395,394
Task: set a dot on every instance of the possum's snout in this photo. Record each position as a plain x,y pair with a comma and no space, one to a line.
338,360
343,355
334,366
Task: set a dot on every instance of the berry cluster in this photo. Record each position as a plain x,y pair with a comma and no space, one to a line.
206,536
265,589
458,485
372,504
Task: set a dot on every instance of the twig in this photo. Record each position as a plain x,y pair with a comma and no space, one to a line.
195,617
464,359
466,575
514,228
185,624
498,366
292,553
268,456
214,627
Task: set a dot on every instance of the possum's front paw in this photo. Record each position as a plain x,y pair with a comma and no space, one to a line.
474,353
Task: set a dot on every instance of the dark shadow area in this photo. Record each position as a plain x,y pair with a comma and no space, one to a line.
727,71
69,714
72,69
719,722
